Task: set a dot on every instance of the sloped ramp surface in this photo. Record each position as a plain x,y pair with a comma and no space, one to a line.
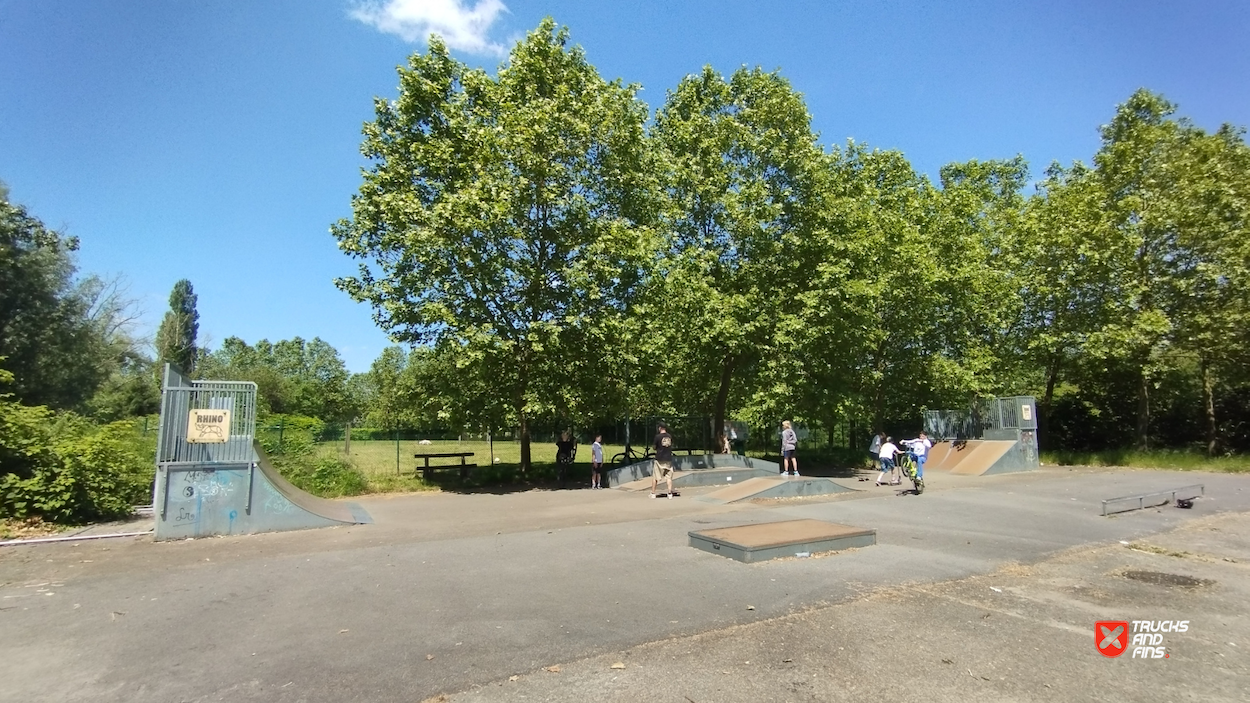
982,457
976,457
775,487
241,499
334,510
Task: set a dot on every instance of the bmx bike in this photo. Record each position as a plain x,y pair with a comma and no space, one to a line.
906,461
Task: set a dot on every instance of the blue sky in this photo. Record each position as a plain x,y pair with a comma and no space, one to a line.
218,140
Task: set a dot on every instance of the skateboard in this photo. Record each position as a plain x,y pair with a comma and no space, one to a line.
665,495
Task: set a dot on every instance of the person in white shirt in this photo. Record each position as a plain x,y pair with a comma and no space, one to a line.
919,449
886,454
596,461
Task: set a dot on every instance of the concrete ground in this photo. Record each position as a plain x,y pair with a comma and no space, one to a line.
984,588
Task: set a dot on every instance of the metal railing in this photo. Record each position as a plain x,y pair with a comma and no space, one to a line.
992,415
1141,499
180,395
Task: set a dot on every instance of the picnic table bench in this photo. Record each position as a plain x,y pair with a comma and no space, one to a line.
462,466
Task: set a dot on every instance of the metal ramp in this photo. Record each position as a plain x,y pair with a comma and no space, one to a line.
212,477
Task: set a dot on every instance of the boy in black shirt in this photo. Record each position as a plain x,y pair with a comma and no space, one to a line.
662,467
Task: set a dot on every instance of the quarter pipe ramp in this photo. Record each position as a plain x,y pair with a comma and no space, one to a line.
243,498
976,457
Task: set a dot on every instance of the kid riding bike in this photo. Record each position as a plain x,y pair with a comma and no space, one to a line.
906,461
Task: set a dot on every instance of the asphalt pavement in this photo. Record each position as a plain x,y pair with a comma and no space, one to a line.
453,596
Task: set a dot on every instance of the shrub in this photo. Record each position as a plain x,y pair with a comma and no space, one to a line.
97,476
328,477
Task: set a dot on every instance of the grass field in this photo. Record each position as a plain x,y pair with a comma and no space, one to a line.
1153,459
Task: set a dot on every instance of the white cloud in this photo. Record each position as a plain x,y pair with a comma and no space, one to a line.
464,28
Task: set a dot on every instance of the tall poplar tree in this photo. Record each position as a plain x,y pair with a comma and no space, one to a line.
176,337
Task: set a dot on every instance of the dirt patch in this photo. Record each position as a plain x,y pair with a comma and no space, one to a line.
1159,578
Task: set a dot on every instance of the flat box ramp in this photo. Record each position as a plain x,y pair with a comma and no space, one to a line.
775,487
772,540
241,499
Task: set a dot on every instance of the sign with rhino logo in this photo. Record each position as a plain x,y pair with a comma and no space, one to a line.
208,426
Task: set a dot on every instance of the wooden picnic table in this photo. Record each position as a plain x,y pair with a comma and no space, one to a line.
463,466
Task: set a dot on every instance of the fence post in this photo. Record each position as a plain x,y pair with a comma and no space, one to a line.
397,472
281,424
347,442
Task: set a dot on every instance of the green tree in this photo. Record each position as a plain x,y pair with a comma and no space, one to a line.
176,337
743,185
293,376
502,216
1066,277
60,335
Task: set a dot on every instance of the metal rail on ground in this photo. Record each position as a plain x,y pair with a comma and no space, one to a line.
1141,499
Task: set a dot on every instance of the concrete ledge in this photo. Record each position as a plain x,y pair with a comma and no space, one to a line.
772,540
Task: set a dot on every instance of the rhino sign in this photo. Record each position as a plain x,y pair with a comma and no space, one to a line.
208,426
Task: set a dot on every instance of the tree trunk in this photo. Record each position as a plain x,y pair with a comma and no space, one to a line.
525,441
1208,397
1052,377
722,394
1143,411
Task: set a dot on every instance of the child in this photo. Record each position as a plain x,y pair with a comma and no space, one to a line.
886,454
919,449
789,444
596,461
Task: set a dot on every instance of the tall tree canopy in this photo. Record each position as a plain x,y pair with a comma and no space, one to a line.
743,176
176,337
505,217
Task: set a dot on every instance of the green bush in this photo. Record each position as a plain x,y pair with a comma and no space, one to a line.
328,477
26,439
99,475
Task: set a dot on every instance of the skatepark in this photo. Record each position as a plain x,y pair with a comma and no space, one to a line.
749,586
471,596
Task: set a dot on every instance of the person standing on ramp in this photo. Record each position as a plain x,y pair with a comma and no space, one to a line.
662,466
789,445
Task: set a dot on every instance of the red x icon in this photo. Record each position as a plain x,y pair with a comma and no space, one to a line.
1111,637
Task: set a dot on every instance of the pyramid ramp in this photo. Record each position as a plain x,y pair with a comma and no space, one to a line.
240,499
696,470
776,487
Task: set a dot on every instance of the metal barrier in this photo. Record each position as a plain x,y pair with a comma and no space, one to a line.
1141,499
